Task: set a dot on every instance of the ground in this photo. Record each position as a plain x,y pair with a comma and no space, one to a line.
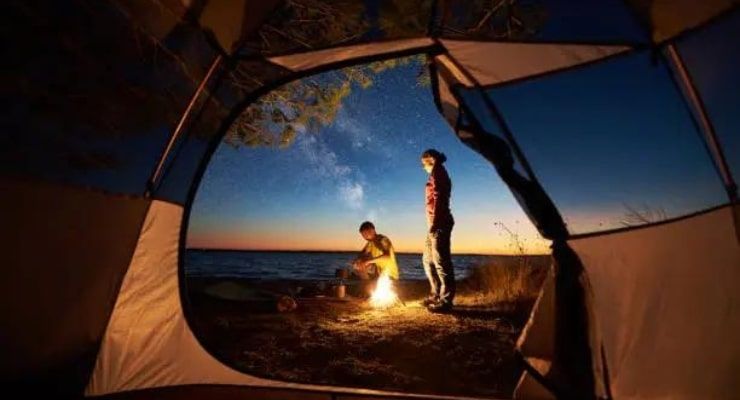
345,342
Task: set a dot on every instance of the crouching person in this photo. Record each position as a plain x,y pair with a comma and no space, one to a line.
375,259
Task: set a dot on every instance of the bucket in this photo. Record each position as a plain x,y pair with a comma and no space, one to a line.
339,291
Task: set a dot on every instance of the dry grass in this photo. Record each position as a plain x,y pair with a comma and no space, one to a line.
512,280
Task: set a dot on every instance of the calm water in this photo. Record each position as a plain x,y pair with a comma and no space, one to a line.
300,265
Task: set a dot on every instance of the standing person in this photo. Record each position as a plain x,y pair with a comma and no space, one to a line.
437,259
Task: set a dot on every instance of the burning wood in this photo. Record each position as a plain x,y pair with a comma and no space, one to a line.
384,295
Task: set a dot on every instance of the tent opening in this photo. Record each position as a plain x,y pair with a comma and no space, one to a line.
275,227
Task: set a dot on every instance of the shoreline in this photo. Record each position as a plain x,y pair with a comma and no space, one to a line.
206,250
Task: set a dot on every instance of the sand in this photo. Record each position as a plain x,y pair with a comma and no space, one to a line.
345,342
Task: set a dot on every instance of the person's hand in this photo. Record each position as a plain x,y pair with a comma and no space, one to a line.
359,264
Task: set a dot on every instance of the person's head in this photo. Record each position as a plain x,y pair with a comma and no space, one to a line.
367,230
430,158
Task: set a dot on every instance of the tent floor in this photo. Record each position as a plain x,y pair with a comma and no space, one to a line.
226,392
345,342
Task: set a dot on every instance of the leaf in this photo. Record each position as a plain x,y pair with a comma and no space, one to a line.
287,136
278,116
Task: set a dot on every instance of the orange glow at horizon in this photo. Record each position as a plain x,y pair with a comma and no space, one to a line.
330,238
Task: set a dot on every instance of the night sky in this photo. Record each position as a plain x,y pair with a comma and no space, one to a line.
612,138
602,140
314,194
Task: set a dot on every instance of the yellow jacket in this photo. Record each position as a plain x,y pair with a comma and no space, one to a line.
380,246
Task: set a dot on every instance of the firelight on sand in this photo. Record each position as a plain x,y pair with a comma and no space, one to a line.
383,296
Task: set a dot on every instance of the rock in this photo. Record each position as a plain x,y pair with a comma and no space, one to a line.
286,304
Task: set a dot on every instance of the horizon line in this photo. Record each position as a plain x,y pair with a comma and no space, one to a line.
353,251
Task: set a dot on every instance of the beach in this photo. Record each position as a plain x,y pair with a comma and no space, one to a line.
345,342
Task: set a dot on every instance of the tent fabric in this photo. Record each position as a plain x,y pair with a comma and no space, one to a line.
487,63
232,21
239,392
448,104
668,18
65,251
567,123
304,61
699,112
177,27
100,269
147,342
529,388
712,63
220,392
451,72
227,22
546,343
535,341
665,298
542,21
496,63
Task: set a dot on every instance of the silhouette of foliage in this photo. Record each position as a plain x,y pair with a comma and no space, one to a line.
635,216
309,104
493,19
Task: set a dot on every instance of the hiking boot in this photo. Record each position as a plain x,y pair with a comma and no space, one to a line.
429,300
440,307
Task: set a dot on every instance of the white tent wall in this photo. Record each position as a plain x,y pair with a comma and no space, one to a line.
491,63
538,346
65,251
666,304
315,59
488,63
148,342
537,343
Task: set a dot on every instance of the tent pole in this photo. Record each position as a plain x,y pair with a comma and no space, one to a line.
710,134
497,116
157,174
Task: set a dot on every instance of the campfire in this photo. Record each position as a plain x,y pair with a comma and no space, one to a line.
384,295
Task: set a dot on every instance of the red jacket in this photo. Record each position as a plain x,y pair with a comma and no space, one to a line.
437,192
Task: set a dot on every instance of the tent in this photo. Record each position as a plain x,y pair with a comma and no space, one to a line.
113,109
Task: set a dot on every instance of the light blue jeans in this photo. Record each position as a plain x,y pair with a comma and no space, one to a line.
437,262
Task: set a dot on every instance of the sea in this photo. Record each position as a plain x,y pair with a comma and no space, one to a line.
305,265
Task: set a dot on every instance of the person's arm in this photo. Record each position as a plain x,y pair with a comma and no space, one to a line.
431,198
361,258
379,259
385,246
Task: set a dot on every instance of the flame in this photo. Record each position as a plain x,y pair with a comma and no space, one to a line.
383,296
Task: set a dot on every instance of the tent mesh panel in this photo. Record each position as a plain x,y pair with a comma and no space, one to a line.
713,61
613,143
